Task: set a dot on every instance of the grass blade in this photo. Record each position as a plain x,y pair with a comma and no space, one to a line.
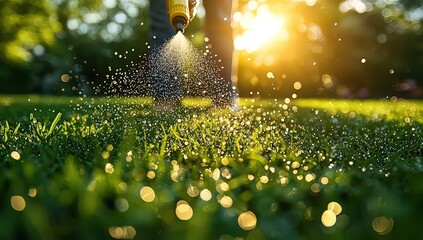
54,123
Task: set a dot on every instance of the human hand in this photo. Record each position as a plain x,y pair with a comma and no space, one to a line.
193,4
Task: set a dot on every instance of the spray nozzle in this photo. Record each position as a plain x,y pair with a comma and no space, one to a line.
179,14
179,23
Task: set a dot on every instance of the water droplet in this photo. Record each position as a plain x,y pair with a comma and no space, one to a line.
15,155
335,207
382,225
226,202
32,192
109,168
65,78
247,220
328,218
18,203
183,211
297,86
205,195
147,194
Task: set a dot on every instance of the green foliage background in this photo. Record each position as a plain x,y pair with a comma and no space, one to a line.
37,47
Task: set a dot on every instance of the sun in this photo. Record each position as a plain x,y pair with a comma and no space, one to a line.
259,29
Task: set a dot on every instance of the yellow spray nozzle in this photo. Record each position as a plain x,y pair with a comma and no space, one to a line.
178,12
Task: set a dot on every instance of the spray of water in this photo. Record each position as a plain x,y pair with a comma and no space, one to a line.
179,68
173,71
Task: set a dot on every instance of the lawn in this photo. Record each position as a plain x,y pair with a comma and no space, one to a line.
106,168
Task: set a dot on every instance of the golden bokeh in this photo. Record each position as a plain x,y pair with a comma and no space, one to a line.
15,155
297,85
216,174
109,148
225,161
18,203
32,192
105,155
147,194
264,179
222,187
335,207
382,225
328,218
109,168
315,187
65,78
184,210
284,181
324,180
193,191
151,174
205,195
247,220
226,202
310,177
126,232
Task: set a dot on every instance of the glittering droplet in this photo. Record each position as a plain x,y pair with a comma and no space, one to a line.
147,194
247,220
328,218
18,203
335,207
183,210
15,155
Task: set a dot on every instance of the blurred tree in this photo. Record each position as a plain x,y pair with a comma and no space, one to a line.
45,39
337,48
333,47
25,26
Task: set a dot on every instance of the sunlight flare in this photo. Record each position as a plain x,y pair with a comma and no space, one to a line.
259,29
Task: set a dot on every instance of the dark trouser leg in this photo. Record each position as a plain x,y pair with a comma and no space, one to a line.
165,88
219,32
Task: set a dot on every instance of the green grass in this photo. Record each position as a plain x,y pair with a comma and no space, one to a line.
83,162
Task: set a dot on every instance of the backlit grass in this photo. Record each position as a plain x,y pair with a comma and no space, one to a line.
275,169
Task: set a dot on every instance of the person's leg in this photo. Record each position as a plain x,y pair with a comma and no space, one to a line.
219,32
166,89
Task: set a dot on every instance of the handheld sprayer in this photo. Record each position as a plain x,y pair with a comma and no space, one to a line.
180,12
